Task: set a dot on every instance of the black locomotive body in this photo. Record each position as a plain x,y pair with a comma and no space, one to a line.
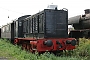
44,31
46,24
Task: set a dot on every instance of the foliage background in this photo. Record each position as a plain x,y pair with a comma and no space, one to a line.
12,52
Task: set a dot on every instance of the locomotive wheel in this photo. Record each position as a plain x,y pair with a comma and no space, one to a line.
28,47
23,46
15,41
31,49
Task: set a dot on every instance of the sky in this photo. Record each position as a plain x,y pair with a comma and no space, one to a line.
12,9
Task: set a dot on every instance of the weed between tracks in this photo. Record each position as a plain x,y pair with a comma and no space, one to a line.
12,52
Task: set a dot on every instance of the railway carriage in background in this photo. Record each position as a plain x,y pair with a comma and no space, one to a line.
43,31
81,24
13,30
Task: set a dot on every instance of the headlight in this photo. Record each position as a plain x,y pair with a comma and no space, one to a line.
73,42
48,43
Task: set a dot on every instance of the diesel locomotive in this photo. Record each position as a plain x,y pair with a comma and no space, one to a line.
46,30
81,24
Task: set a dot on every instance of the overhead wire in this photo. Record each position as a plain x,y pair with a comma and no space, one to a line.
11,10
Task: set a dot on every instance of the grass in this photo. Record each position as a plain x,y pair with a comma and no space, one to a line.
12,52
83,50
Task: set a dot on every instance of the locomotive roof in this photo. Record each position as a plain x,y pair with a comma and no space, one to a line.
24,16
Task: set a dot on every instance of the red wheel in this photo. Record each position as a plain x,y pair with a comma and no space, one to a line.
15,41
28,47
24,46
31,49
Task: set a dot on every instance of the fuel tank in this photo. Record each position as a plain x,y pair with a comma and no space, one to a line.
81,21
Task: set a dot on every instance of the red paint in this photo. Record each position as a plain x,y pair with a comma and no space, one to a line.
37,44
